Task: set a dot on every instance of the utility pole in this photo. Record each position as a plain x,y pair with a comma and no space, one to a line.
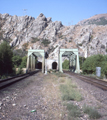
24,11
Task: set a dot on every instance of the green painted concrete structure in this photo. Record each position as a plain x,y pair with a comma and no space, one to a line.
32,54
71,54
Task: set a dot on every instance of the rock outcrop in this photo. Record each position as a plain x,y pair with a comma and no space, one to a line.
100,19
42,33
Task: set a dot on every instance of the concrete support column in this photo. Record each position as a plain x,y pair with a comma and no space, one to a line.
70,62
31,62
34,63
77,63
73,60
43,62
27,64
61,62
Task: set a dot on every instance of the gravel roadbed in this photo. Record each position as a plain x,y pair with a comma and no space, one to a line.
93,96
37,98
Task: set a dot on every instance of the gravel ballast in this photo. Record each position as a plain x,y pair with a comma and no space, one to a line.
38,98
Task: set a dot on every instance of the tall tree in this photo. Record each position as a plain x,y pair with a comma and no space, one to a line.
5,58
16,60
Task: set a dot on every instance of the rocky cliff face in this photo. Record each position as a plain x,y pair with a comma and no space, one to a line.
41,33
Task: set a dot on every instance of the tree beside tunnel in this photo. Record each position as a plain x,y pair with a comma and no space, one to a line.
90,64
65,64
5,58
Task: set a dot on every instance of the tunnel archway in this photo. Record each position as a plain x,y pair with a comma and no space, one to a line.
39,65
54,65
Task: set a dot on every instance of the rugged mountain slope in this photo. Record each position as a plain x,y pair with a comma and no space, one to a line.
100,19
41,33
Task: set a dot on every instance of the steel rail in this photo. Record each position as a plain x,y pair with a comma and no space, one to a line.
9,81
96,82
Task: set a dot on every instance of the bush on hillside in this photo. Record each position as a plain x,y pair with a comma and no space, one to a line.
16,60
24,61
90,64
81,61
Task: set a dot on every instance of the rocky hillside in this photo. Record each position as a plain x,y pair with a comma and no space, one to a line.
23,32
100,19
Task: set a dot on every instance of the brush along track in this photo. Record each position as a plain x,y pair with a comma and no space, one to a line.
96,82
9,81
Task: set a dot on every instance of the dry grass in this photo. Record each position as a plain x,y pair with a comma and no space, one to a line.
52,93
62,87
69,91
92,112
74,111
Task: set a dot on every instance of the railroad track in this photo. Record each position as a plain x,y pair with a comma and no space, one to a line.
9,81
96,82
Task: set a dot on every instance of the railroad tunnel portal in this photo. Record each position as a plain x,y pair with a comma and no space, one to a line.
45,64
32,55
72,55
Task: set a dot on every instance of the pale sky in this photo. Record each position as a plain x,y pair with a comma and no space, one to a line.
69,12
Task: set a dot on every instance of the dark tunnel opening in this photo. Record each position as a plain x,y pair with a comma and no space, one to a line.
39,65
54,65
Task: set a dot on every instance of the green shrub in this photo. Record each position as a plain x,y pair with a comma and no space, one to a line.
73,111
104,69
80,44
4,77
69,92
92,112
24,62
45,42
81,61
5,58
90,64
34,40
16,60
65,64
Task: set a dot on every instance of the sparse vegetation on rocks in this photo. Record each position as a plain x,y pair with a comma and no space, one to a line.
25,45
34,40
35,31
69,91
92,112
45,42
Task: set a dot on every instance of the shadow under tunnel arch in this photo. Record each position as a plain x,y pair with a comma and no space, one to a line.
38,65
54,65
